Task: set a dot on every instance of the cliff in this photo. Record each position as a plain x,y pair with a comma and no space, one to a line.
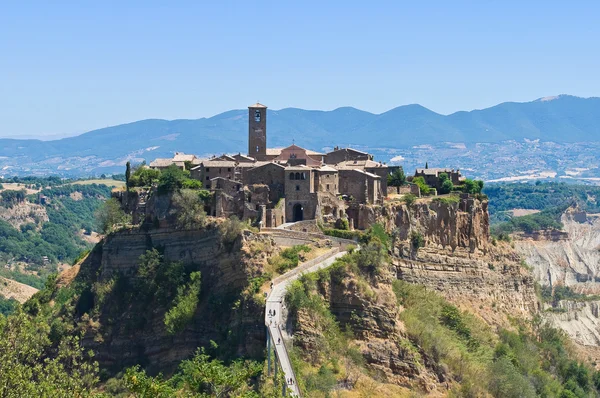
457,258
124,327
573,261
464,224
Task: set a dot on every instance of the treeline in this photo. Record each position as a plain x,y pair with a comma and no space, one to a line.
545,220
540,196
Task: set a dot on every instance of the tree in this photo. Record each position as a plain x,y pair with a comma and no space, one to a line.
30,364
397,178
184,306
189,209
110,214
420,181
127,175
172,179
445,183
144,177
472,186
426,165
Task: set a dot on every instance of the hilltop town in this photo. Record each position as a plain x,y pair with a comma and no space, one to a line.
275,186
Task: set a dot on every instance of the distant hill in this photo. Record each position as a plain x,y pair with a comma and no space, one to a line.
560,119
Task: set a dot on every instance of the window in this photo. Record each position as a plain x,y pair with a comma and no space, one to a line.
229,169
297,176
292,176
297,187
207,178
327,187
304,176
207,186
207,169
257,149
219,171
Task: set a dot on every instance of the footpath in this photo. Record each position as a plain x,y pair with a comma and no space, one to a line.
275,309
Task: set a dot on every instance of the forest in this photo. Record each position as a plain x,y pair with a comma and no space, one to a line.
550,198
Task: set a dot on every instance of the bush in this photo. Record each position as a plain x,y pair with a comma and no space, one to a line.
110,214
189,209
420,181
409,199
230,230
144,177
184,306
397,178
172,179
289,258
472,186
416,239
342,224
338,233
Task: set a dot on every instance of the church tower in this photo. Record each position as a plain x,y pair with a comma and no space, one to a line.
257,131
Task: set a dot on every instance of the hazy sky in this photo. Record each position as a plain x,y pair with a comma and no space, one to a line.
67,68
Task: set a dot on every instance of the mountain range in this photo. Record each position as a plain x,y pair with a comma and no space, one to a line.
562,118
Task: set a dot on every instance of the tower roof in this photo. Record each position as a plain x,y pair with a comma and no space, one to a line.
257,105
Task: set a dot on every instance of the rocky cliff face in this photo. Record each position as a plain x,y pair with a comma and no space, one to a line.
574,261
457,258
454,225
124,331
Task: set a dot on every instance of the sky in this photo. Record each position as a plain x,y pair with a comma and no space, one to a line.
67,67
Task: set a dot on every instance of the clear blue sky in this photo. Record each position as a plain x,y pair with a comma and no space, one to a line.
67,68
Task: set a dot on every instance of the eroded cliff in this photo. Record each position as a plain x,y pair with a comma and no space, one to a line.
125,326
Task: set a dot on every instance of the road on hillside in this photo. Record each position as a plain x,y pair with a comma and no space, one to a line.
274,322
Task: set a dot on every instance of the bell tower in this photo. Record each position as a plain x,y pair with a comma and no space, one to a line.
257,131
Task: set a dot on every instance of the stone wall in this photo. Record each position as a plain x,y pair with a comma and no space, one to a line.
271,175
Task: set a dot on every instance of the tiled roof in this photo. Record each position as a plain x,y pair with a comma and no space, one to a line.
348,150
182,157
161,162
363,172
434,171
263,164
219,163
354,164
274,151
327,168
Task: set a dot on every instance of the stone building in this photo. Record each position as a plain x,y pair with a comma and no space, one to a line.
432,176
339,155
273,186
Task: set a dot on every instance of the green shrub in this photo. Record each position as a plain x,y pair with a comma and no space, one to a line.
416,239
448,200
184,307
420,181
144,177
110,215
189,209
342,224
409,199
338,233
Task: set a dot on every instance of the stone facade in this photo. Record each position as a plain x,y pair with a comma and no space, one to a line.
257,131
361,186
432,176
270,174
